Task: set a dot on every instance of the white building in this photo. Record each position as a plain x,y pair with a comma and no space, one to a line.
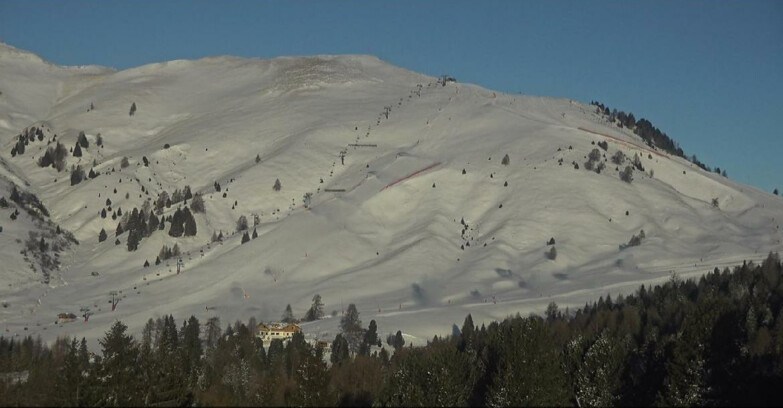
280,331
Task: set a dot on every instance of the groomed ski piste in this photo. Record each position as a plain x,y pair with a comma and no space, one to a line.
412,217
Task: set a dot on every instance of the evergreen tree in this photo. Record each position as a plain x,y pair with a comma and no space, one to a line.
340,351
197,204
371,335
288,315
77,151
255,234
70,381
132,109
627,174
153,224
58,157
685,375
467,334
102,235
276,351
177,221
598,377
245,237
212,332
530,371
176,196
118,368
242,223
190,223
20,148
351,327
82,140
77,175
316,309
192,350
277,185
399,341
312,382
134,237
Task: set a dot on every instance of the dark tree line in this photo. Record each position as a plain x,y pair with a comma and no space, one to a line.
649,133
717,340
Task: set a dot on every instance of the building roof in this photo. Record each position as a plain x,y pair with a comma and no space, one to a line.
279,327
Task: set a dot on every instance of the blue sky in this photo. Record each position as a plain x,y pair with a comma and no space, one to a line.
708,73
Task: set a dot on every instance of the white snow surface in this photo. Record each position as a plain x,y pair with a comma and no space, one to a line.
393,251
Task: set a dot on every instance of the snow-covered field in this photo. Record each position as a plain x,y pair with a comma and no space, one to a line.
391,242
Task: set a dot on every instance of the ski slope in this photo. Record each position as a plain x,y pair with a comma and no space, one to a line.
388,236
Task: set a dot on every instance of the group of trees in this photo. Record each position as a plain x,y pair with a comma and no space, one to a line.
54,156
81,142
315,312
182,223
29,202
164,200
44,244
137,225
649,133
27,136
77,174
717,340
594,162
142,223
167,253
635,240
217,237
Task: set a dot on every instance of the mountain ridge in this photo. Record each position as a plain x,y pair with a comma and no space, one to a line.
429,221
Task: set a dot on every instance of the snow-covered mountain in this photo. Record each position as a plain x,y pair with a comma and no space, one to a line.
421,225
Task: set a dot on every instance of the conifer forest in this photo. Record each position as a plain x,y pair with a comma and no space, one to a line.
715,341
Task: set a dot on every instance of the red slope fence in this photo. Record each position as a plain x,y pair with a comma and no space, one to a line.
414,174
625,142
